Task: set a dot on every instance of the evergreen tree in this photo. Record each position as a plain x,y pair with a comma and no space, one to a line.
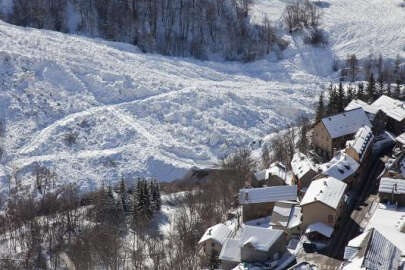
350,95
388,92
381,86
371,91
333,99
124,196
320,110
360,92
156,200
341,98
397,93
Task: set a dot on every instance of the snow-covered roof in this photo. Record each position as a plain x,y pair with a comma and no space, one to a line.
218,232
321,228
260,238
295,217
268,194
371,250
326,190
393,108
230,251
278,169
362,141
357,103
387,220
286,214
341,166
346,123
301,165
401,138
392,185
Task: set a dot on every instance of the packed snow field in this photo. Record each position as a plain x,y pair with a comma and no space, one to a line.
95,111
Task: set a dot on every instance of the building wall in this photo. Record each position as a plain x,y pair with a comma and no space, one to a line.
256,210
250,254
306,180
274,180
321,140
319,212
227,265
212,248
397,198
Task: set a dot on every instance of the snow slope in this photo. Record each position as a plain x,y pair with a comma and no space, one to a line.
94,111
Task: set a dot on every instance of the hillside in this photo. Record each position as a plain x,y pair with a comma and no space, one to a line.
95,111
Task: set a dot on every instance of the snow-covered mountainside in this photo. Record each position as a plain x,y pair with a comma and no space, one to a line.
95,111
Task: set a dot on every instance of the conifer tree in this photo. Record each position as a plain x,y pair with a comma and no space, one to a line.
350,95
388,92
124,196
360,92
397,93
371,91
320,110
331,109
341,98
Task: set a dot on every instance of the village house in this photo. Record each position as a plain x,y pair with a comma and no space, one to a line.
213,239
360,147
331,133
303,170
394,112
323,202
395,167
275,175
342,167
371,250
392,190
259,202
261,244
287,217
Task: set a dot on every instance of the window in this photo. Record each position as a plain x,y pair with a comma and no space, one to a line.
330,219
212,244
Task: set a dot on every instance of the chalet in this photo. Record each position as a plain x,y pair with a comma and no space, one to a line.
371,250
323,202
392,190
259,202
303,170
287,217
275,175
394,112
360,147
213,239
331,133
341,167
259,244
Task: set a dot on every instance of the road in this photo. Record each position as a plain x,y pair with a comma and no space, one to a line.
354,217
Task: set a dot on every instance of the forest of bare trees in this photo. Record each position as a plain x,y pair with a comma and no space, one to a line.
170,27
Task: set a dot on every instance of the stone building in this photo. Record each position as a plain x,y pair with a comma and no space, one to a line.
331,133
323,202
259,202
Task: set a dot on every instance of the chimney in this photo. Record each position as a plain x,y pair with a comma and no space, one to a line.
246,196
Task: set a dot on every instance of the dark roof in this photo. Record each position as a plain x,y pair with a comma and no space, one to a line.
381,254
